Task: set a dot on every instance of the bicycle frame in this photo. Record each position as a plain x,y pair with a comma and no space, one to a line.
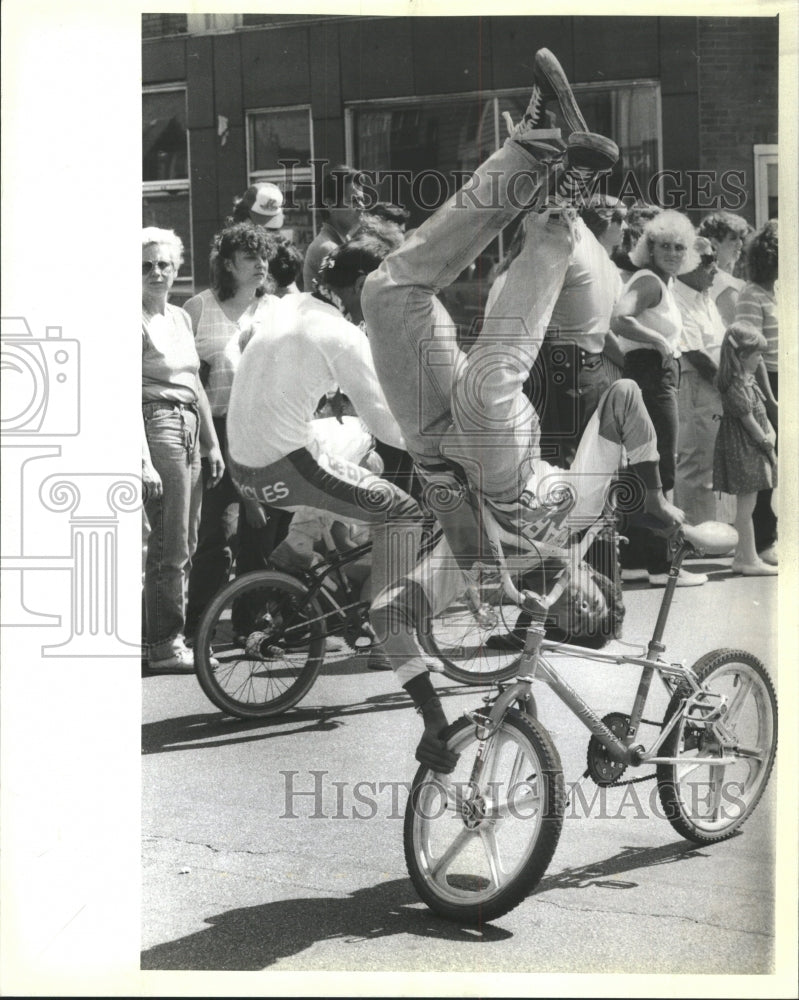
332,565
533,665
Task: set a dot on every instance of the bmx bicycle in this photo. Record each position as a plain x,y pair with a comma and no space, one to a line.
262,640
477,841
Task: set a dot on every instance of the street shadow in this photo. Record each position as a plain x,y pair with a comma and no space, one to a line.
255,937
200,731
602,874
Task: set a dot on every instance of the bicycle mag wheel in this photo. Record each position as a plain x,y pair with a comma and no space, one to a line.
258,648
703,799
477,651
476,847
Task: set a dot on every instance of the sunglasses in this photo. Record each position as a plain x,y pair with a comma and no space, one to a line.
678,247
708,259
164,266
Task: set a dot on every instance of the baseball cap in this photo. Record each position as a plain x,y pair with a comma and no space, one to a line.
265,203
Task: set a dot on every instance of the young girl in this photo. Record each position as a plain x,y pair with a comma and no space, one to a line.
744,460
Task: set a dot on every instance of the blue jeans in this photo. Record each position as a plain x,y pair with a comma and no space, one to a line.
699,410
172,437
470,409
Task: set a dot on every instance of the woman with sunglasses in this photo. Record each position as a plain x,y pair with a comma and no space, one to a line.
648,323
177,426
727,233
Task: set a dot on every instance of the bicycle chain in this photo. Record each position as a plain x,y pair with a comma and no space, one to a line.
632,781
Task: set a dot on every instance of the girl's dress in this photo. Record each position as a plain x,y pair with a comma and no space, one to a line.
739,464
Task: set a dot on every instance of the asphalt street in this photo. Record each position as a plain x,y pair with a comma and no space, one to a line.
261,851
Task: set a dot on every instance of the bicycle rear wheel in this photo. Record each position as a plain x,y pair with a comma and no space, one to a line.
476,846
475,651
258,649
703,799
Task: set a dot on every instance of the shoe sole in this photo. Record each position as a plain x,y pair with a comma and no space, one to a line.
549,72
753,571
592,151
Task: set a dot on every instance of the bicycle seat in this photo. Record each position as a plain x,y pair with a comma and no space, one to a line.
710,538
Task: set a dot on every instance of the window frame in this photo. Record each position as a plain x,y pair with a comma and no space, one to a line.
303,175
352,107
764,154
184,282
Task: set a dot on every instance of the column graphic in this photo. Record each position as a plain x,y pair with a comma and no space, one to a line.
41,402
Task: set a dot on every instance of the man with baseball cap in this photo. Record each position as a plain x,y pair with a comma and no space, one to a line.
261,204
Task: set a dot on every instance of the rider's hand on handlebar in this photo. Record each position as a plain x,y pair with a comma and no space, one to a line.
658,506
432,750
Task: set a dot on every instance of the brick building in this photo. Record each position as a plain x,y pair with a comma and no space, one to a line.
228,99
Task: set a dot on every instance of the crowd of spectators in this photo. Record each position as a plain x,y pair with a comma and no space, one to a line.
686,311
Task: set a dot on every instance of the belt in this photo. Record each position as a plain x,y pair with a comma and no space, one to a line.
570,352
154,405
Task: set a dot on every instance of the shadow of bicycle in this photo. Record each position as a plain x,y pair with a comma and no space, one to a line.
200,731
255,937
602,874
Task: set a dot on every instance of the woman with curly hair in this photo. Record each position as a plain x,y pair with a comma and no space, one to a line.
757,305
727,233
239,264
648,323
177,424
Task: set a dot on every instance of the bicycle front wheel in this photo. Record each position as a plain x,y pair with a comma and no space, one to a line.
478,841
725,766
260,645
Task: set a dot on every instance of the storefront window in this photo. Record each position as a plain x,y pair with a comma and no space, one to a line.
280,150
166,197
421,149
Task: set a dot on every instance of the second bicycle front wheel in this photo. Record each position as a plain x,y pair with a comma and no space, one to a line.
724,763
260,645
477,841
481,648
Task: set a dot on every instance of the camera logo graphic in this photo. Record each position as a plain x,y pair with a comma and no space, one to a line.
40,381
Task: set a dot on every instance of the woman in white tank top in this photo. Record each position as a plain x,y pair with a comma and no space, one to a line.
648,323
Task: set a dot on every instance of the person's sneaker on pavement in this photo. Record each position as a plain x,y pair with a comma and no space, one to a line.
179,660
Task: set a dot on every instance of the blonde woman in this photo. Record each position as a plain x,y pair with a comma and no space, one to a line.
648,323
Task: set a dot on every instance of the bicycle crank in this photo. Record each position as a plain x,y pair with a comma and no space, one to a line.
601,768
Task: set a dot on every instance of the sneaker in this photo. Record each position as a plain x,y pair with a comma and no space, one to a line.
549,81
378,660
512,642
758,568
631,575
588,156
769,555
684,579
179,661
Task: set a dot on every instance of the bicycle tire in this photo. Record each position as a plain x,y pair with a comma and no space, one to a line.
462,644
255,655
729,793
476,864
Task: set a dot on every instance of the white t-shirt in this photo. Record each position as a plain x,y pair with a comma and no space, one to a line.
590,289
308,350
702,325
